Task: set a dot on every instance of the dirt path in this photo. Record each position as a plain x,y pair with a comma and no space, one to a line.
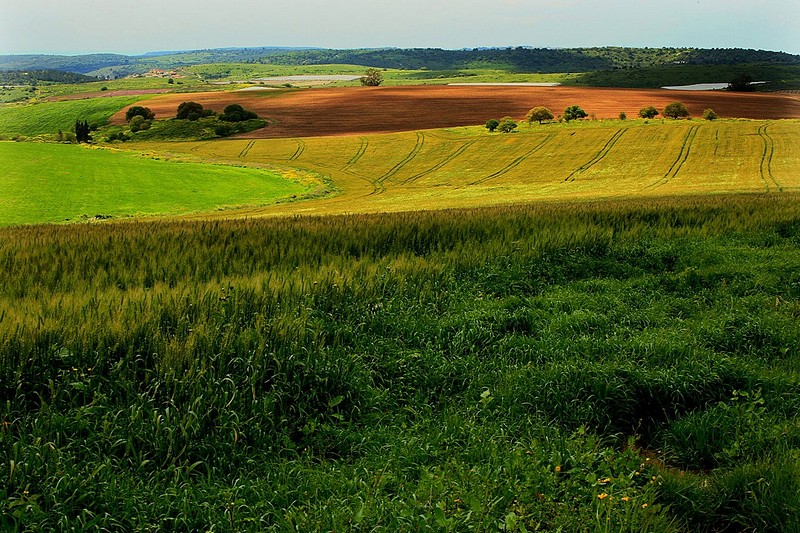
355,110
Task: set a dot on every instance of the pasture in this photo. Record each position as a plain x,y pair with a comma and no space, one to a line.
55,183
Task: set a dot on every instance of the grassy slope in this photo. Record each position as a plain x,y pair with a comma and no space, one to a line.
52,183
47,118
469,167
628,367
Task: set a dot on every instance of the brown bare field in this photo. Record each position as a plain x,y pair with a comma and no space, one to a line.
352,110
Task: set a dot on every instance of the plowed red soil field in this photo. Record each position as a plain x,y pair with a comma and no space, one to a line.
350,110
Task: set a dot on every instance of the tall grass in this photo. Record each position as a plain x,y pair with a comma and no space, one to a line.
575,367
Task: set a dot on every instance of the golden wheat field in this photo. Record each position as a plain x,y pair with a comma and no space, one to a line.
465,167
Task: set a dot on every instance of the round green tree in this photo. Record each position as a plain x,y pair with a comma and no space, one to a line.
709,114
372,78
676,110
139,111
574,112
492,124
539,114
648,112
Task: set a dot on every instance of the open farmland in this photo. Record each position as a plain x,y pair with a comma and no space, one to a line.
468,167
355,110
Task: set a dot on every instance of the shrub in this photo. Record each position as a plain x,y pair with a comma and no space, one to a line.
492,124
138,123
676,110
709,114
623,116
648,112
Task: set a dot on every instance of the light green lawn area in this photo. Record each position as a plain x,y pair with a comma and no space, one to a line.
49,117
55,183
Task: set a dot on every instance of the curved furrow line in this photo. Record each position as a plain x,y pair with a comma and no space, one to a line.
440,164
599,156
246,149
420,142
362,149
301,147
515,163
683,155
766,158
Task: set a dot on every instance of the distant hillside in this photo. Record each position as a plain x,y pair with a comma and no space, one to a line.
28,77
519,59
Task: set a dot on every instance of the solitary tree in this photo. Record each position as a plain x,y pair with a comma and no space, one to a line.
539,114
507,125
676,110
623,115
372,78
492,124
648,112
574,112
140,111
709,114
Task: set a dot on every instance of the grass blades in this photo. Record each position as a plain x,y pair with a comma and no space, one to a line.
631,366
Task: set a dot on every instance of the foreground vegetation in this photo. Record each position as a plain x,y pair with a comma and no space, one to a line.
625,367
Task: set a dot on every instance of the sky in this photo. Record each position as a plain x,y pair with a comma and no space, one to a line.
138,26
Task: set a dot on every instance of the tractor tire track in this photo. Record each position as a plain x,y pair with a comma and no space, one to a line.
362,149
515,163
599,156
301,147
463,148
766,159
683,155
379,183
246,149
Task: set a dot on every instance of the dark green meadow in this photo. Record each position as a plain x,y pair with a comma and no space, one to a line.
614,367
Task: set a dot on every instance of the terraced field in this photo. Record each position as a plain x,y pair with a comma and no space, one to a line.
465,167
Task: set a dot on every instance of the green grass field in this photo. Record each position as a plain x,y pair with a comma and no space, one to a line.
628,366
56,183
47,118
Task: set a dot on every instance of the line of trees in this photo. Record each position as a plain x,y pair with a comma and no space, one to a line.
82,131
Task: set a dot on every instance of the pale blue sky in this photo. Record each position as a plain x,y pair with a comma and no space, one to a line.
138,26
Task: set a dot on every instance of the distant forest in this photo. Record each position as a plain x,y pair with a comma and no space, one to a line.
29,77
519,59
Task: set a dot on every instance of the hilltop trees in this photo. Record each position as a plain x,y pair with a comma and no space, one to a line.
539,114
676,110
492,124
